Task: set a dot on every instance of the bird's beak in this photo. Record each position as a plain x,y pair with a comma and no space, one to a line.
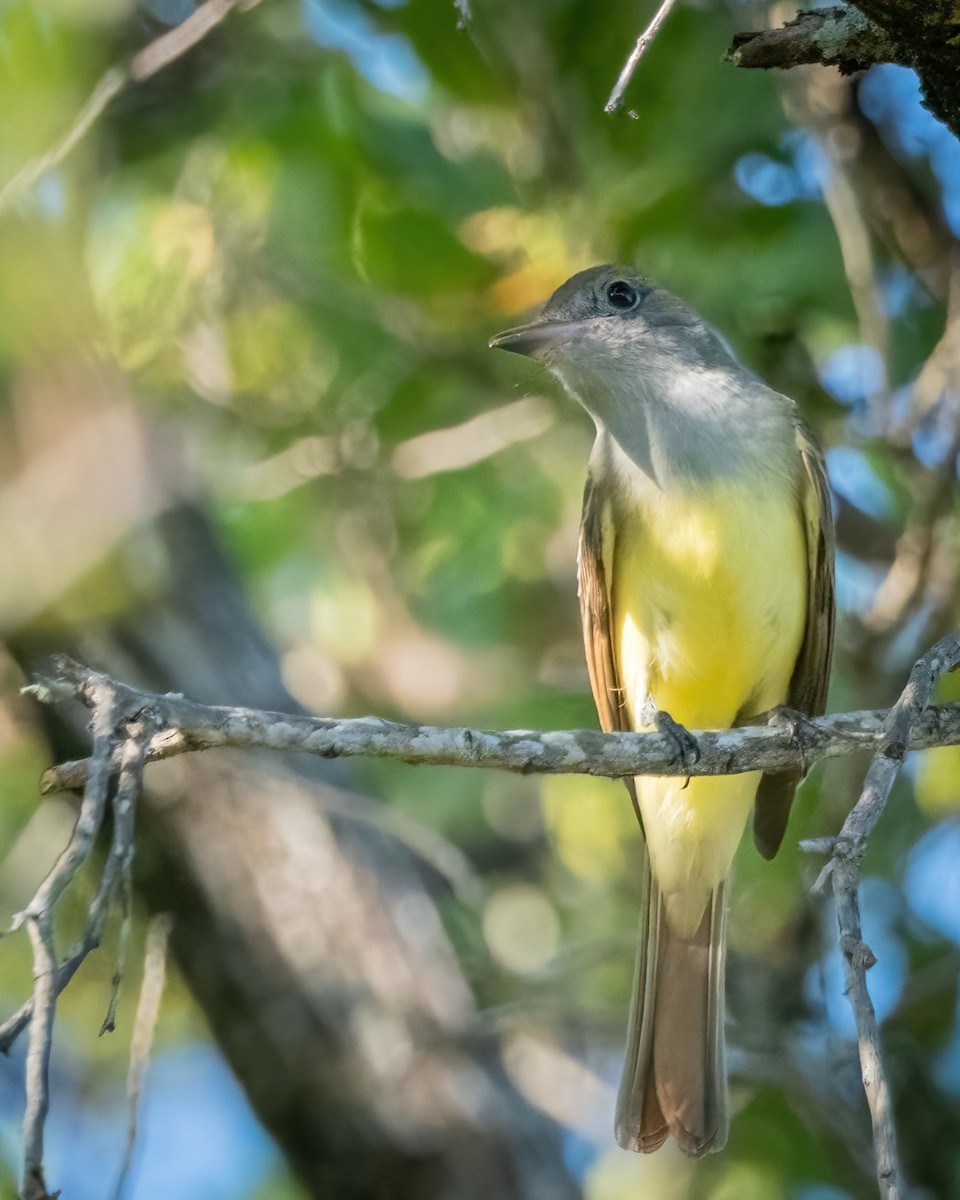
538,335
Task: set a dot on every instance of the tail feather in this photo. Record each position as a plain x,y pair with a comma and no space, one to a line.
771,810
674,1079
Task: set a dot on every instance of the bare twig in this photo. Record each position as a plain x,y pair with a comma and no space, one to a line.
88,824
123,941
118,870
38,917
859,264
172,45
37,1079
110,84
823,103
109,714
464,15
145,63
15,1024
848,850
643,41
144,1027
188,726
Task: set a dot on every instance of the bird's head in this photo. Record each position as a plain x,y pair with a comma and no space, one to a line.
608,321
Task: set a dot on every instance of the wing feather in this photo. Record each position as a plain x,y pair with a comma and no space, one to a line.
594,568
808,688
594,565
811,676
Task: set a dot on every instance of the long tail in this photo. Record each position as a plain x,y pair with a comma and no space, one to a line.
674,1077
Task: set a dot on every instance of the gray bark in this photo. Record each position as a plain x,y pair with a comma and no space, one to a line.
922,34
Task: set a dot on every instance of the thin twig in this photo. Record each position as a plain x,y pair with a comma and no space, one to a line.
848,850
188,726
109,713
116,871
183,37
643,41
37,1075
464,15
38,917
146,62
123,940
17,1022
110,84
88,824
144,1027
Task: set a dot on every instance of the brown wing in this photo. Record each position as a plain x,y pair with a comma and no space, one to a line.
594,563
594,556
808,687
811,675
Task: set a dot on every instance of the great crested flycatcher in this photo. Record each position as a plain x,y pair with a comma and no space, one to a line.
706,593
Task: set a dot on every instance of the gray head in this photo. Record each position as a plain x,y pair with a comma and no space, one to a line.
611,318
650,371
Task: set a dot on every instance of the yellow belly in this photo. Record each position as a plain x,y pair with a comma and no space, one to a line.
708,603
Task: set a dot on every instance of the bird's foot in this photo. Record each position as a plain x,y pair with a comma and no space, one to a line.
803,732
688,752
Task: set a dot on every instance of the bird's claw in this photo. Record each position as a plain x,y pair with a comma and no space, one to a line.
688,751
803,732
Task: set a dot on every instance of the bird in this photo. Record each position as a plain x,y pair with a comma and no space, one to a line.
706,586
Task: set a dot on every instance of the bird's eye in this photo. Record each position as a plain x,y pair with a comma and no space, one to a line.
621,294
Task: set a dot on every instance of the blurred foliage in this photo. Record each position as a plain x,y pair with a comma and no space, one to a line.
295,241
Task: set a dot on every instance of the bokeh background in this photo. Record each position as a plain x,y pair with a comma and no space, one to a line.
253,447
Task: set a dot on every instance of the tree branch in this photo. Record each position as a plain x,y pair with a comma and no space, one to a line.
834,37
848,850
37,1080
133,727
187,726
915,33
643,41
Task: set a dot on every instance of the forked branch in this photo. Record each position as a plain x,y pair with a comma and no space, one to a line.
133,727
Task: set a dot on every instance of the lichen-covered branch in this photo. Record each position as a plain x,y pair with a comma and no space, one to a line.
915,33
833,37
187,726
